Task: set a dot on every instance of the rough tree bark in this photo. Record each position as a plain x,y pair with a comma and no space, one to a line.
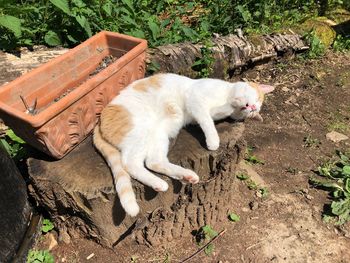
230,53
78,192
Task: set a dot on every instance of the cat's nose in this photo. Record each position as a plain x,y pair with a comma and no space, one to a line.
253,107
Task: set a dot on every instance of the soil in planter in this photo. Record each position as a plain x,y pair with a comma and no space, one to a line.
106,61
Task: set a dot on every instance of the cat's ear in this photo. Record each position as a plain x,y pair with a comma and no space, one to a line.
266,88
237,102
255,116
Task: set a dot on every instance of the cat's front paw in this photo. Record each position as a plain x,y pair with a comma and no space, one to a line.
213,144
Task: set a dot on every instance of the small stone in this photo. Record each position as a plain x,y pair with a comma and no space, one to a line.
90,256
245,210
336,136
285,89
291,100
253,205
64,237
53,241
258,194
309,197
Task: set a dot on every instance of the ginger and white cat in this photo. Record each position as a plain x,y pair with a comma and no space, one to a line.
136,126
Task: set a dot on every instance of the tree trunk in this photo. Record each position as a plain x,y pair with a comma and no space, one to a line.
78,192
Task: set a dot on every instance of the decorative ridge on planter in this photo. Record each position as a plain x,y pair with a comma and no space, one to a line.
69,98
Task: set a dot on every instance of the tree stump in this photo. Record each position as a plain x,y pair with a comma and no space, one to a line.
78,192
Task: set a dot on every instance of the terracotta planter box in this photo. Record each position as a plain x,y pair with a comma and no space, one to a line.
69,98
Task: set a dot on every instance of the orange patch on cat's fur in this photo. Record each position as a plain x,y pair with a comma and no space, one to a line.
256,87
115,123
122,173
125,190
169,109
151,82
157,168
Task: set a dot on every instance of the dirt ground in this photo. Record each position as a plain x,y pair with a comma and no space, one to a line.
312,97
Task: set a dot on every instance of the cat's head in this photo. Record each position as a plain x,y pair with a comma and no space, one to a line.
247,100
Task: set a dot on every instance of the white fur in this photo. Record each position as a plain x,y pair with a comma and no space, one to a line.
193,101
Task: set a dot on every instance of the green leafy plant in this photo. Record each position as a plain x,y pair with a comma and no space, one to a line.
252,159
316,47
67,23
47,226
204,64
336,174
13,145
204,235
341,43
309,141
40,256
251,184
292,170
263,192
234,217
242,176
338,122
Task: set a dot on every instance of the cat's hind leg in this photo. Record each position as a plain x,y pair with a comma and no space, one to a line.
133,157
157,160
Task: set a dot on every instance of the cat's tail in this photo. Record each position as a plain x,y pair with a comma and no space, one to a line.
122,180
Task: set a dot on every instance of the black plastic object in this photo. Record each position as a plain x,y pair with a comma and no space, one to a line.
14,208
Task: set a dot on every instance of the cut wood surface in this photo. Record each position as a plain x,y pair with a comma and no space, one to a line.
78,192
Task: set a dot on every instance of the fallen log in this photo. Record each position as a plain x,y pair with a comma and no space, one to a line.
229,54
78,193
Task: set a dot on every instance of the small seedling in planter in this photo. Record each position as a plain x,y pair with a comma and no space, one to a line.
234,217
47,226
337,181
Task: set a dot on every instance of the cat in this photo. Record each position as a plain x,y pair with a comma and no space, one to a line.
135,127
